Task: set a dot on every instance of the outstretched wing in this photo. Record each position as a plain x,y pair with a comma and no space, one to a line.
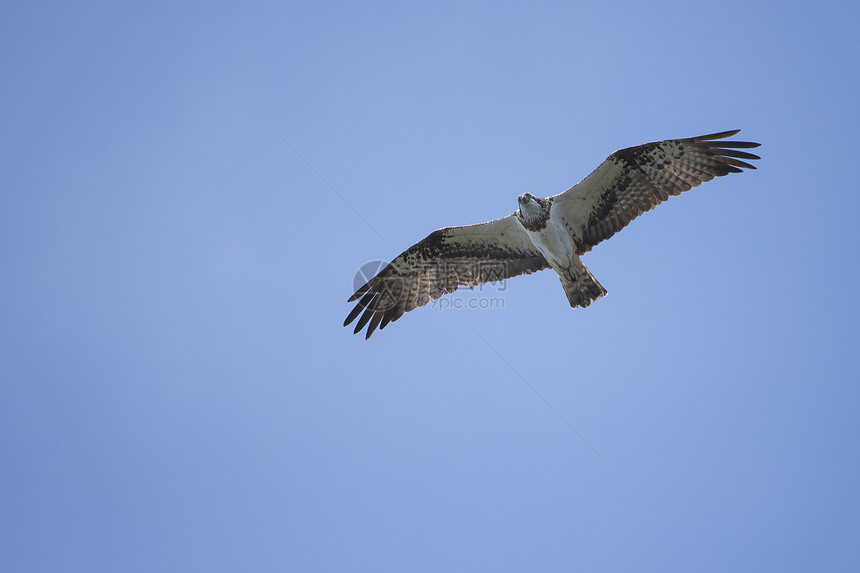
444,260
637,179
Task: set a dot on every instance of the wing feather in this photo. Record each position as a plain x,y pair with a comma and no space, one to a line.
634,180
439,264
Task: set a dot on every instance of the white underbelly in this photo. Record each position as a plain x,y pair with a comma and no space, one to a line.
555,244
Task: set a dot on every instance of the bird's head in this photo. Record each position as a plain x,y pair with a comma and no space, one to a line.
532,208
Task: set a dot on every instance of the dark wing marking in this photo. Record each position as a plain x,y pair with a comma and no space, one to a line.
637,179
444,260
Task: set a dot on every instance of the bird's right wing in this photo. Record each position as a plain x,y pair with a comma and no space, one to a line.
439,264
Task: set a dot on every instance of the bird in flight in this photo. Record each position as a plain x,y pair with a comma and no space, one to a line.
548,233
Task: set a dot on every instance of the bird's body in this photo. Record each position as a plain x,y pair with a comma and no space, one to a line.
555,239
550,232
546,230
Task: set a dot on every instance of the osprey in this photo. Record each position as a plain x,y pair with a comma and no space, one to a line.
552,232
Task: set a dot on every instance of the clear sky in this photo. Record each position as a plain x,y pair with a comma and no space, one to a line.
174,281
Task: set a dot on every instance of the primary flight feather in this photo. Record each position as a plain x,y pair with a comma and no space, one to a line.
548,233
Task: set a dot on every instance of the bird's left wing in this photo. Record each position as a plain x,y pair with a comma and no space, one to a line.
636,179
444,260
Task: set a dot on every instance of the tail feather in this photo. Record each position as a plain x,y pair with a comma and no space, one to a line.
580,286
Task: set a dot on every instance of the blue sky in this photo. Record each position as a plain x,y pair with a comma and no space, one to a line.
174,280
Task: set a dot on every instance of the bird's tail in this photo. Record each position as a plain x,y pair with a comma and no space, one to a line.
580,286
